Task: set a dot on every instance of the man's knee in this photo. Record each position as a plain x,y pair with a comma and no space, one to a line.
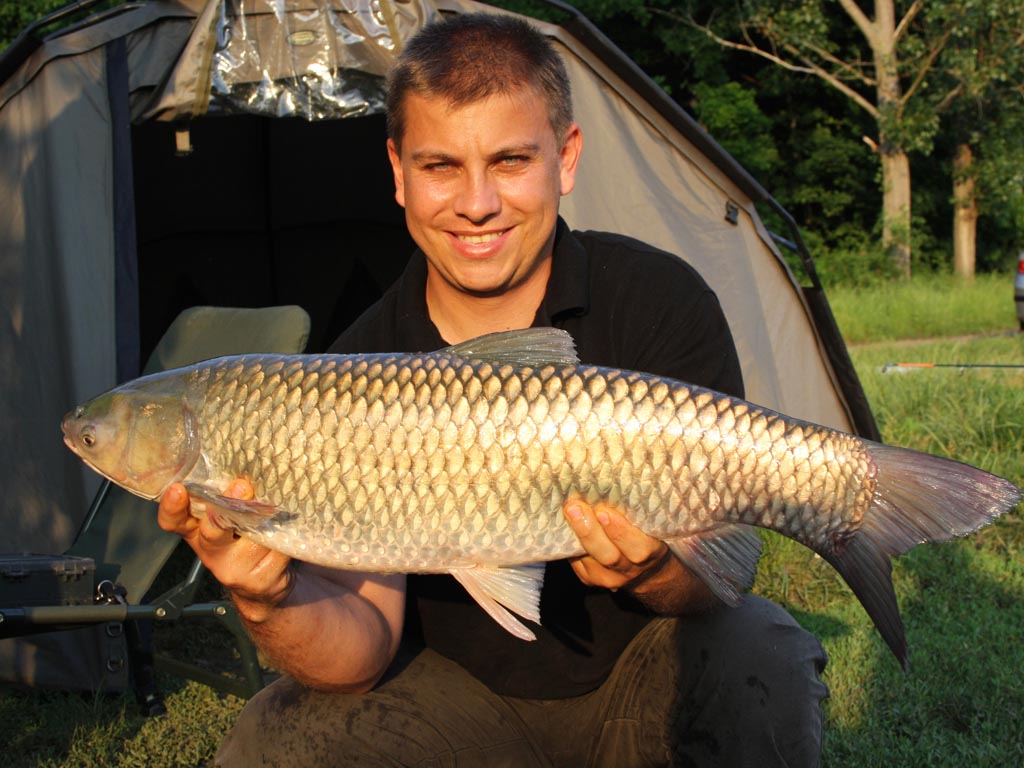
758,633
750,688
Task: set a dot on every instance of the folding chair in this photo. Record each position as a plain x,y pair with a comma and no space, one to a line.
120,532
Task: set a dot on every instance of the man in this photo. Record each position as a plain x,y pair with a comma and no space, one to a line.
384,670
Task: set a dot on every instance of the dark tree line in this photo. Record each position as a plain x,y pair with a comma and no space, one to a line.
889,129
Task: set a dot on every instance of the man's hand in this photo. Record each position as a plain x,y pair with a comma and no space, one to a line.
340,629
618,553
621,556
257,578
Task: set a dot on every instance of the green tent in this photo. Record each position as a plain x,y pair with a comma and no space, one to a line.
172,153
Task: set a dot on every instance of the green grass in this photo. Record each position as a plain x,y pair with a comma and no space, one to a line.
71,730
962,602
925,307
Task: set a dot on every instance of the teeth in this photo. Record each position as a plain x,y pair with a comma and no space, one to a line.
480,239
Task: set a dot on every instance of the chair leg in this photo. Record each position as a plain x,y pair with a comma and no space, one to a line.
143,672
251,668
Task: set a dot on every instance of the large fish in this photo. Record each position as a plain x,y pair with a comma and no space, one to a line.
459,461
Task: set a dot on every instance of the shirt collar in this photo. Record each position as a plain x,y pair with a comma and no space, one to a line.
567,294
568,291
416,331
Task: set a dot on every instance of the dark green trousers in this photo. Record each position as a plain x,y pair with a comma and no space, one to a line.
733,687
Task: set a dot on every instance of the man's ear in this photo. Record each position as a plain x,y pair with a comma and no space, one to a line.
396,170
569,157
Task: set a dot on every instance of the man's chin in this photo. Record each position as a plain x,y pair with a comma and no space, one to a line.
485,292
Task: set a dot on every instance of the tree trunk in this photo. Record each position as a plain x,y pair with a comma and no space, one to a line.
896,207
965,213
881,36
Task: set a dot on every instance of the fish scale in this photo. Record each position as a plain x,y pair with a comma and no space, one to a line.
460,461
657,446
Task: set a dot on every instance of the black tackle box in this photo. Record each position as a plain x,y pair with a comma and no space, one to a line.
31,580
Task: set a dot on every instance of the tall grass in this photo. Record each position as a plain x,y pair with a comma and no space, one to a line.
962,602
927,306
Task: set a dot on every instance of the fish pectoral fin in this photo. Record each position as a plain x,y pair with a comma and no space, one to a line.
516,588
533,347
239,511
725,558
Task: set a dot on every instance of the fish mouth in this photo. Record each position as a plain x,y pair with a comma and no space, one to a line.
67,428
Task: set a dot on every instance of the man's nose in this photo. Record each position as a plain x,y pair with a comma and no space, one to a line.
478,198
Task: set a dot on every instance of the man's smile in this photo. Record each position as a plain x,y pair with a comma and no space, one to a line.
480,239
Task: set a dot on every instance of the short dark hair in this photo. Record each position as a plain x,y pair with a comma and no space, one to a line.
472,56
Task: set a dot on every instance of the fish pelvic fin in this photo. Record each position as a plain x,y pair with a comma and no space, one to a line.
917,498
724,558
499,590
531,347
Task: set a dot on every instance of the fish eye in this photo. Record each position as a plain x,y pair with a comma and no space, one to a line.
88,438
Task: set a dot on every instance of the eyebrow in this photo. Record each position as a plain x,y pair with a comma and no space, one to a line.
432,156
529,148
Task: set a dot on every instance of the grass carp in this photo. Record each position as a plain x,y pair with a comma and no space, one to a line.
459,461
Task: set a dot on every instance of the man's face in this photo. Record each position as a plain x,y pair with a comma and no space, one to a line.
481,184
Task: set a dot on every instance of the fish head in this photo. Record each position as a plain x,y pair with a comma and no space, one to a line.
139,439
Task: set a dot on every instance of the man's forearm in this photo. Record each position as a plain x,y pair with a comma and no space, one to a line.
672,589
325,636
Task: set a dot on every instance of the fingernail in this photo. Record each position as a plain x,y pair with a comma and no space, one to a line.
603,518
237,489
576,518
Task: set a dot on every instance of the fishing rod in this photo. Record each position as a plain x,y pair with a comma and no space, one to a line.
903,367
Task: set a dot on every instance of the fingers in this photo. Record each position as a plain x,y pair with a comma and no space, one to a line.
240,488
248,569
172,514
609,537
617,552
213,526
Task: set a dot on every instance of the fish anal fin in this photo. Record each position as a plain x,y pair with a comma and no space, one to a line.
725,558
499,590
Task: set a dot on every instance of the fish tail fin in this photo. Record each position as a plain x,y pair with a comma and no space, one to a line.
868,570
918,498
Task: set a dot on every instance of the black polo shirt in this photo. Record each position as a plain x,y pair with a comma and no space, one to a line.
627,305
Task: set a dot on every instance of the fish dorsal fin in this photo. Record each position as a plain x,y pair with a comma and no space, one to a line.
532,347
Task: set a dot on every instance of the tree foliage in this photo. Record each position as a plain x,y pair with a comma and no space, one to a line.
14,17
982,126
812,71
817,144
